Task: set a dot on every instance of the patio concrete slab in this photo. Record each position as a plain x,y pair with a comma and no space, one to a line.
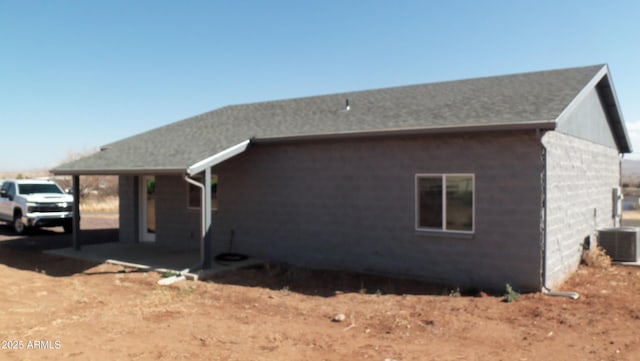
151,257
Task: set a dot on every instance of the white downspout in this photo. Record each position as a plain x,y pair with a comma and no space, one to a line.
617,221
207,209
205,224
546,290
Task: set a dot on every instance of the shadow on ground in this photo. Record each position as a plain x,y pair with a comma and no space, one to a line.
25,251
41,239
329,283
55,266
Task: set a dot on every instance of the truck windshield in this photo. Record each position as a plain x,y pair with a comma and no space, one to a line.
38,188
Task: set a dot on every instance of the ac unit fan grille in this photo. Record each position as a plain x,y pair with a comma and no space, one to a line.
621,244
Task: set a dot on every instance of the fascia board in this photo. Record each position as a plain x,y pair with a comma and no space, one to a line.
218,158
582,94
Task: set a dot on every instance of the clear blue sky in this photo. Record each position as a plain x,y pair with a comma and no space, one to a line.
75,75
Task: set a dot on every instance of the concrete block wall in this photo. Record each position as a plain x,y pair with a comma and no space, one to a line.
177,226
350,204
580,179
128,208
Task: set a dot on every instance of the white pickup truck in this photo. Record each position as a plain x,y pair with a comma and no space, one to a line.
34,203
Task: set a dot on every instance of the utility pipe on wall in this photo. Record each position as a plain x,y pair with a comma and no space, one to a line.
205,225
545,289
207,209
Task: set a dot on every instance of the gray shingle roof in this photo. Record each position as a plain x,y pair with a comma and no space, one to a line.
511,100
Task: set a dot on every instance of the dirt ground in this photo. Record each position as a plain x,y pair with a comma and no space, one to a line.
54,308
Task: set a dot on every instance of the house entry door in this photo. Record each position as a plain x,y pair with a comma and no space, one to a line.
147,209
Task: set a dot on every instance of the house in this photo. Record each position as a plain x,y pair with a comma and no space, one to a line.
474,183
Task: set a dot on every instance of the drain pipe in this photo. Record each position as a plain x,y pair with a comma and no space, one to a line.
203,224
545,289
617,221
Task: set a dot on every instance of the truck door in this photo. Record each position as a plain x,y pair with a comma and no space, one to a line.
5,203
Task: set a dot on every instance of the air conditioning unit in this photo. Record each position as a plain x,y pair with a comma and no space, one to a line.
621,244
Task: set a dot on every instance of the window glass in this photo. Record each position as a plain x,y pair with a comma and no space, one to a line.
12,190
430,202
459,203
36,188
445,202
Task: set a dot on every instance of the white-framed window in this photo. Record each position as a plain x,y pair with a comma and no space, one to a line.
194,193
445,202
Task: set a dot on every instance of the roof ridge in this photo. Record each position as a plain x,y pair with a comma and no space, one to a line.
394,87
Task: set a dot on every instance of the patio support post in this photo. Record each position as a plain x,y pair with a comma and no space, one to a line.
206,208
76,213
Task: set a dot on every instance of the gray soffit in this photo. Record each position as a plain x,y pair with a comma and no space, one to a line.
519,101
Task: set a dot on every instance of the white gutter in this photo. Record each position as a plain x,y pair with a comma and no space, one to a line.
218,158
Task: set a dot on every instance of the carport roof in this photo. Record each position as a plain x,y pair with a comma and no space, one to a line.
518,101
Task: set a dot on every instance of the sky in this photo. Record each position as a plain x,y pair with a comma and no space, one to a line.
76,75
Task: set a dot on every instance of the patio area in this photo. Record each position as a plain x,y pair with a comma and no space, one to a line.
151,257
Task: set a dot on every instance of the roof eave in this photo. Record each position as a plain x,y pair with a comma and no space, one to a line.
190,170
118,171
242,146
447,129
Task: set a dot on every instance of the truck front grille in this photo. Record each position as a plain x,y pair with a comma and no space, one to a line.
50,208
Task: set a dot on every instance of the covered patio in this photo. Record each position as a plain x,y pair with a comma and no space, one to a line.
153,258
137,244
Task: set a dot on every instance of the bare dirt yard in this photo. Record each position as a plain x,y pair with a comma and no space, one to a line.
54,308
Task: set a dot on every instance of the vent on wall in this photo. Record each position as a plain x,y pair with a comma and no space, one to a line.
621,244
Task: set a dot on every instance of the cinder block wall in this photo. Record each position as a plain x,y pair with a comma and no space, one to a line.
128,208
350,204
580,179
177,226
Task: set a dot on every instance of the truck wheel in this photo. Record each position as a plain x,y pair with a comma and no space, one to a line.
68,226
18,225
